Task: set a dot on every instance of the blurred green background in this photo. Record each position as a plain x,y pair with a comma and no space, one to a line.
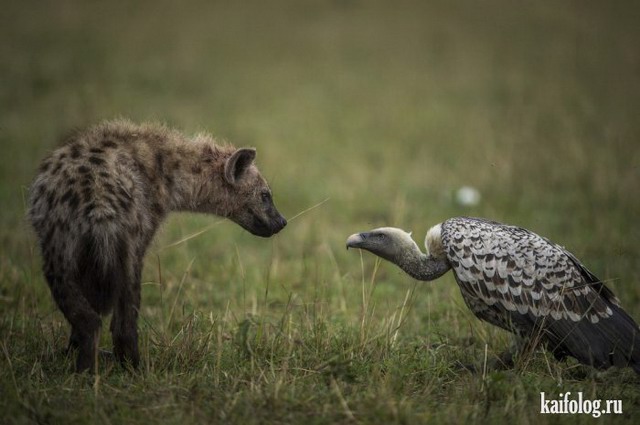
380,109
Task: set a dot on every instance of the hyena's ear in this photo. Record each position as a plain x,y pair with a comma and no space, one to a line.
238,163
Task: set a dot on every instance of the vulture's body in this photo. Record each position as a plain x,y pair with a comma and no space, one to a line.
521,282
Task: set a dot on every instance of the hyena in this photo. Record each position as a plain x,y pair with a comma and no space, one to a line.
98,200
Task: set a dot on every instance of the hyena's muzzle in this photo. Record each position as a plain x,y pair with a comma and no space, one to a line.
264,222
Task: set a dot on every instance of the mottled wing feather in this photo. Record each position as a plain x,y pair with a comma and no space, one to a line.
522,282
592,279
520,271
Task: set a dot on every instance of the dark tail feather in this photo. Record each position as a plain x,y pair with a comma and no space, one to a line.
614,341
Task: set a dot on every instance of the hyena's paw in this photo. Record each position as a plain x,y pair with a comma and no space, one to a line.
125,350
74,343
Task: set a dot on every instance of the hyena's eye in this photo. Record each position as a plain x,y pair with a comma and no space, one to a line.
266,196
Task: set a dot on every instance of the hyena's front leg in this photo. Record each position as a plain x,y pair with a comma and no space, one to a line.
124,323
74,340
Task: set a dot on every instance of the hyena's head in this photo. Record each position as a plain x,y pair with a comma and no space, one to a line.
250,203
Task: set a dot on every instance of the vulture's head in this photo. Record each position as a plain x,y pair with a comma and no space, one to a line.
389,243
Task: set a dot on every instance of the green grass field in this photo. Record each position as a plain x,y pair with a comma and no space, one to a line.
373,112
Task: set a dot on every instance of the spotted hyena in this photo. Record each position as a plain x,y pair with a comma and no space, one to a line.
98,200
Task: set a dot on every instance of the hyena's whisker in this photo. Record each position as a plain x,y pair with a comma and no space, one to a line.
308,209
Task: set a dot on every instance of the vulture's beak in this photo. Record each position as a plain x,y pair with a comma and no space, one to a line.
356,240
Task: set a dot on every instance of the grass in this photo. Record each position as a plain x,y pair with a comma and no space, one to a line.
381,110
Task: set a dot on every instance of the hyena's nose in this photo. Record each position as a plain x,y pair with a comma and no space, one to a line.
282,222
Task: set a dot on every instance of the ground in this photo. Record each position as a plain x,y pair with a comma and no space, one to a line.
373,113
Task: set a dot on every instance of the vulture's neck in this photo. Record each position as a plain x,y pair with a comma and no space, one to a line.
422,266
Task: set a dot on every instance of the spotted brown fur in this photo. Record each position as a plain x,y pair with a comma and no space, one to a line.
98,200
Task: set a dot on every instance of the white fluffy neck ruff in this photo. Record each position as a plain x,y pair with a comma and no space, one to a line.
399,235
394,231
433,242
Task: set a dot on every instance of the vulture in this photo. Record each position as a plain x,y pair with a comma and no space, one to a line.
520,282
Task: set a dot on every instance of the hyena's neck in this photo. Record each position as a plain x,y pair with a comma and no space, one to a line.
185,175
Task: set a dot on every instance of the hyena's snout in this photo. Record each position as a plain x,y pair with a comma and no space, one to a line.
280,223
264,223
275,222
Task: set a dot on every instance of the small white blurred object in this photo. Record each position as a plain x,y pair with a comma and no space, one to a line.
467,196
